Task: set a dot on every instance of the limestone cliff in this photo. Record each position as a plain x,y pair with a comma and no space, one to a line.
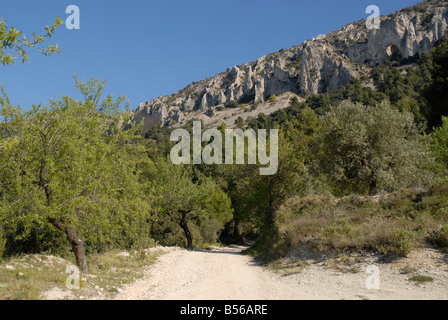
315,66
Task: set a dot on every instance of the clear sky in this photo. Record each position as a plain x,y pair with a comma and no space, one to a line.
150,48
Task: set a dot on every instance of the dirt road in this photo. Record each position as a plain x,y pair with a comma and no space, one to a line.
224,273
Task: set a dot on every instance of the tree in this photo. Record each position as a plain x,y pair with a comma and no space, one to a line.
62,165
369,149
239,122
14,43
436,91
256,198
440,147
295,138
185,198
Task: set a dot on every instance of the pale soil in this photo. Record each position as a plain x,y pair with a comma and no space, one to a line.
224,273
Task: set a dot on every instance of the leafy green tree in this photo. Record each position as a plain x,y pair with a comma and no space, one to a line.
185,199
14,43
369,149
65,165
256,198
440,147
295,138
239,183
436,91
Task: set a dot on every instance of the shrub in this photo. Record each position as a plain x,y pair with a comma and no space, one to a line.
401,242
239,122
371,149
440,145
421,279
441,238
232,105
392,224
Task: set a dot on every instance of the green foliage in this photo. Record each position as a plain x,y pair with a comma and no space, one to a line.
440,238
435,91
440,146
184,197
13,43
401,241
421,279
370,149
77,163
392,224
69,165
232,105
239,122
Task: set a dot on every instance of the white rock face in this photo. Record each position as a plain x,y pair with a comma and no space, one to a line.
222,98
315,66
404,35
154,112
259,90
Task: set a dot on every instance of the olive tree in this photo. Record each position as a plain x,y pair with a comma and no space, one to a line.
369,149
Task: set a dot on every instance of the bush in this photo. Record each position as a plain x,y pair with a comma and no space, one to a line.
232,105
239,122
371,149
392,224
440,145
401,242
421,279
441,238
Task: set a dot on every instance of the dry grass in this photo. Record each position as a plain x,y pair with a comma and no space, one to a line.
287,266
393,224
30,277
25,278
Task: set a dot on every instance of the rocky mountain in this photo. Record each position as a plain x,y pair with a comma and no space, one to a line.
316,66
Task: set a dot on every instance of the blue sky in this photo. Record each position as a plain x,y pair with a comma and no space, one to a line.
146,48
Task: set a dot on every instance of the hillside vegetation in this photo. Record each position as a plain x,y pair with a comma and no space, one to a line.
360,168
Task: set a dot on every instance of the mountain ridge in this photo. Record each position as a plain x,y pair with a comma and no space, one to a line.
320,65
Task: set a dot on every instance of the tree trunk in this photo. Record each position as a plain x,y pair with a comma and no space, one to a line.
78,249
76,243
184,226
237,237
372,188
225,236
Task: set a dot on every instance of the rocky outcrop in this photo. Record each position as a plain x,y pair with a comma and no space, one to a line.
152,113
315,66
402,35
